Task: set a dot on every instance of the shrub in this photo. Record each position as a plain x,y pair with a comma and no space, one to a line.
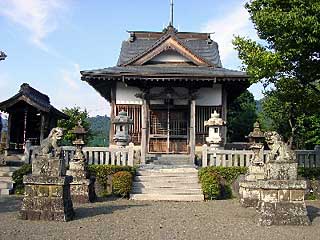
104,173
309,173
216,181
210,184
122,183
17,177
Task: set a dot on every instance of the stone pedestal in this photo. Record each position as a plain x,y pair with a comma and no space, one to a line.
47,191
255,173
82,188
281,170
44,165
248,189
249,193
282,203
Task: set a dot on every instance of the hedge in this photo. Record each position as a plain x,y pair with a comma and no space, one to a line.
17,178
216,181
104,173
122,183
309,173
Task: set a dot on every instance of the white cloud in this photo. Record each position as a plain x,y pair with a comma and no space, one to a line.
235,22
39,17
70,91
71,77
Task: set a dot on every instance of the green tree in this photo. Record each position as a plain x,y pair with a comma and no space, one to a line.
288,57
100,127
75,115
241,117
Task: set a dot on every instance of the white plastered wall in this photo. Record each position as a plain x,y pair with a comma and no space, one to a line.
210,96
126,94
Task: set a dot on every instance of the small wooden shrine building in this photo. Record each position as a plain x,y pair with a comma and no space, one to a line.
169,82
31,117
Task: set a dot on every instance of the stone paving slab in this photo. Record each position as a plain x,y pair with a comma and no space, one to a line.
125,219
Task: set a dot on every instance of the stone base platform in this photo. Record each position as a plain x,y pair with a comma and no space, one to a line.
82,190
47,198
82,187
283,213
279,202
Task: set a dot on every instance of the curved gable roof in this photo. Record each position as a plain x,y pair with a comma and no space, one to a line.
142,42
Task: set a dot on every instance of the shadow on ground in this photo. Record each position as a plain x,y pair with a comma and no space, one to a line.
92,211
313,212
10,203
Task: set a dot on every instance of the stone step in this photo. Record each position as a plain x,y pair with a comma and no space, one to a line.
167,197
5,179
14,163
5,185
5,174
8,169
167,170
166,173
167,178
168,184
5,192
167,191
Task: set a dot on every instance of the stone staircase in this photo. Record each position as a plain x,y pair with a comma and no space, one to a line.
6,183
168,159
167,183
13,162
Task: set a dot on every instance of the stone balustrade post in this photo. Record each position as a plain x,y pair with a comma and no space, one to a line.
130,154
27,149
204,155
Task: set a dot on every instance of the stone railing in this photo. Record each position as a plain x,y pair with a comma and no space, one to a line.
94,155
230,158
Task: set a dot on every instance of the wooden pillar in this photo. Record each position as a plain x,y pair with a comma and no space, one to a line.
112,114
144,124
192,140
8,133
224,114
42,126
25,126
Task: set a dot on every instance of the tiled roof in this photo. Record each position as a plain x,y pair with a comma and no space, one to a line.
32,97
150,70
205,49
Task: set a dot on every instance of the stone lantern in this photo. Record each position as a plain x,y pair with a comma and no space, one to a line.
256,136
215,124
256,140
80,133
82,186
122,123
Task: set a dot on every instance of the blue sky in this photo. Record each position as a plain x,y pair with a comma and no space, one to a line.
49,41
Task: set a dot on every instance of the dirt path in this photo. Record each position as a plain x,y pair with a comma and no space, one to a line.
123,219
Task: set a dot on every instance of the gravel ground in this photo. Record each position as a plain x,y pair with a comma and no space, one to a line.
124,219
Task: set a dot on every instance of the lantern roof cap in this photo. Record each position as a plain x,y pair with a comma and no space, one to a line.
79,129
215,120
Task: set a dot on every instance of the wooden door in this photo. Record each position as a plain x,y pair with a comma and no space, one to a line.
168,131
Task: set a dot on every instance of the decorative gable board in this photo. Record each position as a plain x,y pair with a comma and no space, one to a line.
169,56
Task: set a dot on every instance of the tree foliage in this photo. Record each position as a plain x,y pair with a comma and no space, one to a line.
290,32
288,57
241,117
100,127
75,115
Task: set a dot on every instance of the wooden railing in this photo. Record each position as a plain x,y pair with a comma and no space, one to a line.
230,158
94,155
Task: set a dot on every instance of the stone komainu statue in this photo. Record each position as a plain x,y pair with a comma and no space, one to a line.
50,143
279,150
